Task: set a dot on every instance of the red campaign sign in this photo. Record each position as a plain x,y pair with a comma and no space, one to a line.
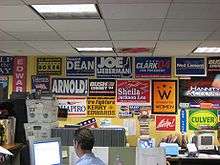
19,74
133,91
165,123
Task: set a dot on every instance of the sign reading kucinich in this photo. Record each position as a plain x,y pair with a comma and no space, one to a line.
70,86
80,66
114,67
191,67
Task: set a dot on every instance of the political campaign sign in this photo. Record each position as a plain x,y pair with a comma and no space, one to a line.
80,66
6,65
114,67
146,67
69,86
102,87
40,82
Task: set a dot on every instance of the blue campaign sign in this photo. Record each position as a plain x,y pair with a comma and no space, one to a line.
114,67
6,65
183,120
146,67
190,67
80,66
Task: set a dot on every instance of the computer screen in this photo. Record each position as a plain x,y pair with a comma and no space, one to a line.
45,152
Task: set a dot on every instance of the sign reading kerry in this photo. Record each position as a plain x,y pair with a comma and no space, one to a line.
114,67
203,118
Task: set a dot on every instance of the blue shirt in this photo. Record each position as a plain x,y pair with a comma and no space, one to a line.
89,159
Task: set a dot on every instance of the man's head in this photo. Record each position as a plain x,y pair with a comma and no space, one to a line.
83,141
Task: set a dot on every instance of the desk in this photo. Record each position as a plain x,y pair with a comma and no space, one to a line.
202,159
15,149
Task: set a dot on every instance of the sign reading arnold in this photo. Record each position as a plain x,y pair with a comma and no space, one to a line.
70,86
114,67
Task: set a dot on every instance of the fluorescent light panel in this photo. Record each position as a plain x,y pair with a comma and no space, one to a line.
207,50
95,49
67,11
69,8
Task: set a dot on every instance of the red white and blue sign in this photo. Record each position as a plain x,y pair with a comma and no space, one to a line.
183,120
80,66
6,65
190,67
114,67
146,67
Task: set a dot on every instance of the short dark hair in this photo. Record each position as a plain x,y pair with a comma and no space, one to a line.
85,138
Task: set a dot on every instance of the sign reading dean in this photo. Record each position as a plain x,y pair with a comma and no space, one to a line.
164,96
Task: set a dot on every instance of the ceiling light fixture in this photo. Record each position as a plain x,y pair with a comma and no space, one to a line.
67,11
207,50
95,49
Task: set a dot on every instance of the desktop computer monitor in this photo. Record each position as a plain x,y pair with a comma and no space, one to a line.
45,151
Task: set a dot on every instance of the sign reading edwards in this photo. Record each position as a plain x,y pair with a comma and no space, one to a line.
152,67
80,66
102,87
114,67
49,66
203,118
190,67
70,86
6,65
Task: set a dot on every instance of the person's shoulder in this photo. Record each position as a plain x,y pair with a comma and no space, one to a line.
100,161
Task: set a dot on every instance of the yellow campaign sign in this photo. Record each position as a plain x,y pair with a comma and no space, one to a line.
101,107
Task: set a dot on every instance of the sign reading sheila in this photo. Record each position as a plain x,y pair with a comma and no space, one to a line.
164,96
70,86
114,67
190,67
152,67
80,66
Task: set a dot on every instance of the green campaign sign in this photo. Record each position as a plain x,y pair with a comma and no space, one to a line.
199,118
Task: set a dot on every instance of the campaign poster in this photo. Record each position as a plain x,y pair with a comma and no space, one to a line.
20,74
165,123
203,119
131,110
133,91
183,120
213,65
80,66
6,65
70,86
49,66
200,93
164,96
114,67
76,106
98,106
40,82
102,87
146,67
190,67
3,87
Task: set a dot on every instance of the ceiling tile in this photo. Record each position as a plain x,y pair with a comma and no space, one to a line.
133,44
11,2
134,11
23,26
210,44
134,54
5,36
197,1
134,24
60,1
183,36
35,36
132,1
194,10
97,54
133,35
172,48
91,43
204,54
214,37
77,25
98,35
51,46
17,13
191,25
